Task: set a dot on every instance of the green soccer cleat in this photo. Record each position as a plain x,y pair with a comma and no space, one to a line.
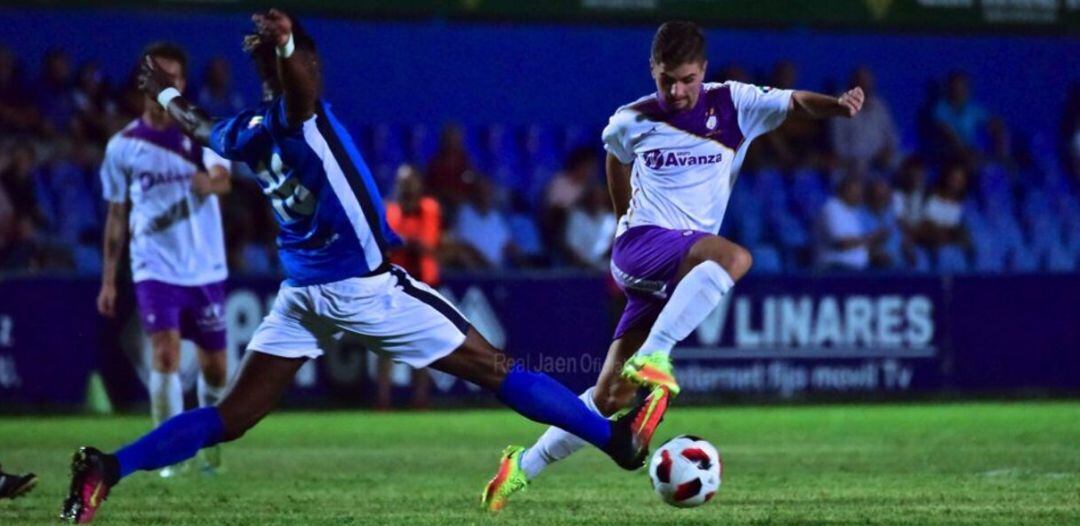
508,480
651,371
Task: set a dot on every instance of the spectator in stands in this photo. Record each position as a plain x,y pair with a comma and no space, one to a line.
96,116
1070,134
17,113
417,218
525,234
590,230
845,240
868,141
942,222
910,198
55,98
889,250
483,229
959,120
580,171
797,143
17,183
449,175
217,95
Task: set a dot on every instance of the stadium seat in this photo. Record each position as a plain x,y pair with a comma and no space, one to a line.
1024,259
951,260
387,144
788,230
542,146
423,142
1061,259
989,256
767,259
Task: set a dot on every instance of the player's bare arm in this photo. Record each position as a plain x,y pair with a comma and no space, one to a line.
156,84
618,178
214,181
116,231
808,104
296,68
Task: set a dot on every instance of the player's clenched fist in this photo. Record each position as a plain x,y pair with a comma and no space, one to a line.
152,80
852,100
273,26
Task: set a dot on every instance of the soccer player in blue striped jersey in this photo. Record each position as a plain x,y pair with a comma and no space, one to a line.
333,245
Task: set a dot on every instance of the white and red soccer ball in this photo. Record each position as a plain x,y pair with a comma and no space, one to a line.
686,471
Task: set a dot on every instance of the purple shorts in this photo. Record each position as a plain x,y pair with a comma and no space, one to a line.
198,312
645,263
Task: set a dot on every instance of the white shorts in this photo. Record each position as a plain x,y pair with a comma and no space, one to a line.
390,313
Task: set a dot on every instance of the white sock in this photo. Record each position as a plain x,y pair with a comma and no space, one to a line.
555,444
209,394
166,396
696,296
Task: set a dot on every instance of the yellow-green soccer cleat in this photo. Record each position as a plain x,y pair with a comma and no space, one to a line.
508,480
651,371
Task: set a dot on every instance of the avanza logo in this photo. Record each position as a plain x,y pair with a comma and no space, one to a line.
657,159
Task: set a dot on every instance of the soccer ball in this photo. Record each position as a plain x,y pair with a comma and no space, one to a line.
685,471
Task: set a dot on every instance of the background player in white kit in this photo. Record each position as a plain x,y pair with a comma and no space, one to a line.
672,161
162,191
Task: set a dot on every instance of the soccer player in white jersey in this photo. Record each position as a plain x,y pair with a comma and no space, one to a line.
672,158
162,190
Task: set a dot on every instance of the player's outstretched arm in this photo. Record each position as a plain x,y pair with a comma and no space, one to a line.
158,86
812,105
297,69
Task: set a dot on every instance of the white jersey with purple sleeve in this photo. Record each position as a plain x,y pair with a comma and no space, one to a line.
685,163
176,235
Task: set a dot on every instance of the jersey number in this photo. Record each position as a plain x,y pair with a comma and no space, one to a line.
290,199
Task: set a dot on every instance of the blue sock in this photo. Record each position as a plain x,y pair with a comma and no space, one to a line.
539,397
177,439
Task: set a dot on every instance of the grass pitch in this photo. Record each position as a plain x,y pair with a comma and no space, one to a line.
1001,463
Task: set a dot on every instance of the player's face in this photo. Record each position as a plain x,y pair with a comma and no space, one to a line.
174,70
680,85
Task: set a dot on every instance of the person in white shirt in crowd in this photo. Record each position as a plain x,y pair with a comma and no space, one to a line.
590,230
484,228
943,215
844,237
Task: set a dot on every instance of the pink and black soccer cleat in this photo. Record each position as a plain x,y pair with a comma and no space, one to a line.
89,486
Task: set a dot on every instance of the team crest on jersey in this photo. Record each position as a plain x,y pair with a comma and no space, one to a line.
255,121
710,123
657,159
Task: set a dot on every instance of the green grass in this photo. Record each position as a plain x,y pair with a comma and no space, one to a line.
1014,463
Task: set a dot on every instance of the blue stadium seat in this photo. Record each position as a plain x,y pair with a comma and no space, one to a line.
989,256
1024,259
423,142
767,259
951,260
788,230
387,144
1061,259
922,263
542,146
87,259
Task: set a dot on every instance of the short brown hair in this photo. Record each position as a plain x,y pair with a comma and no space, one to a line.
677,43
169,51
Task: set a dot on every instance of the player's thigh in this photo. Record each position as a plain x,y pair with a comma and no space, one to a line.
407,321
165,350
262,379
476,361
613,392
214,364
734,258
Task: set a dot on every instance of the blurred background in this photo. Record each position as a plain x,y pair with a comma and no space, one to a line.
965,163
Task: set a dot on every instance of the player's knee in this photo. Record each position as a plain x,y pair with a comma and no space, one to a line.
736,261
236,424
215,376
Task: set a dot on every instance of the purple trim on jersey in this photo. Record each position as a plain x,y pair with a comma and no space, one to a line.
198,312
171,138
714,102
645,263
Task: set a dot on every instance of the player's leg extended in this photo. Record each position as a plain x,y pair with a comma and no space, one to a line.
258,387
611,394
706,274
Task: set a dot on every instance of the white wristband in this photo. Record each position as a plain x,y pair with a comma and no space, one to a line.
166,96
286,50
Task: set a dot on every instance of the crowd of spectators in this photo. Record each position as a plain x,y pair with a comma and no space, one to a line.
839,195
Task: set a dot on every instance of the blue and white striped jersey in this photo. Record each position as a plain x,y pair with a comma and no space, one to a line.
333,223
